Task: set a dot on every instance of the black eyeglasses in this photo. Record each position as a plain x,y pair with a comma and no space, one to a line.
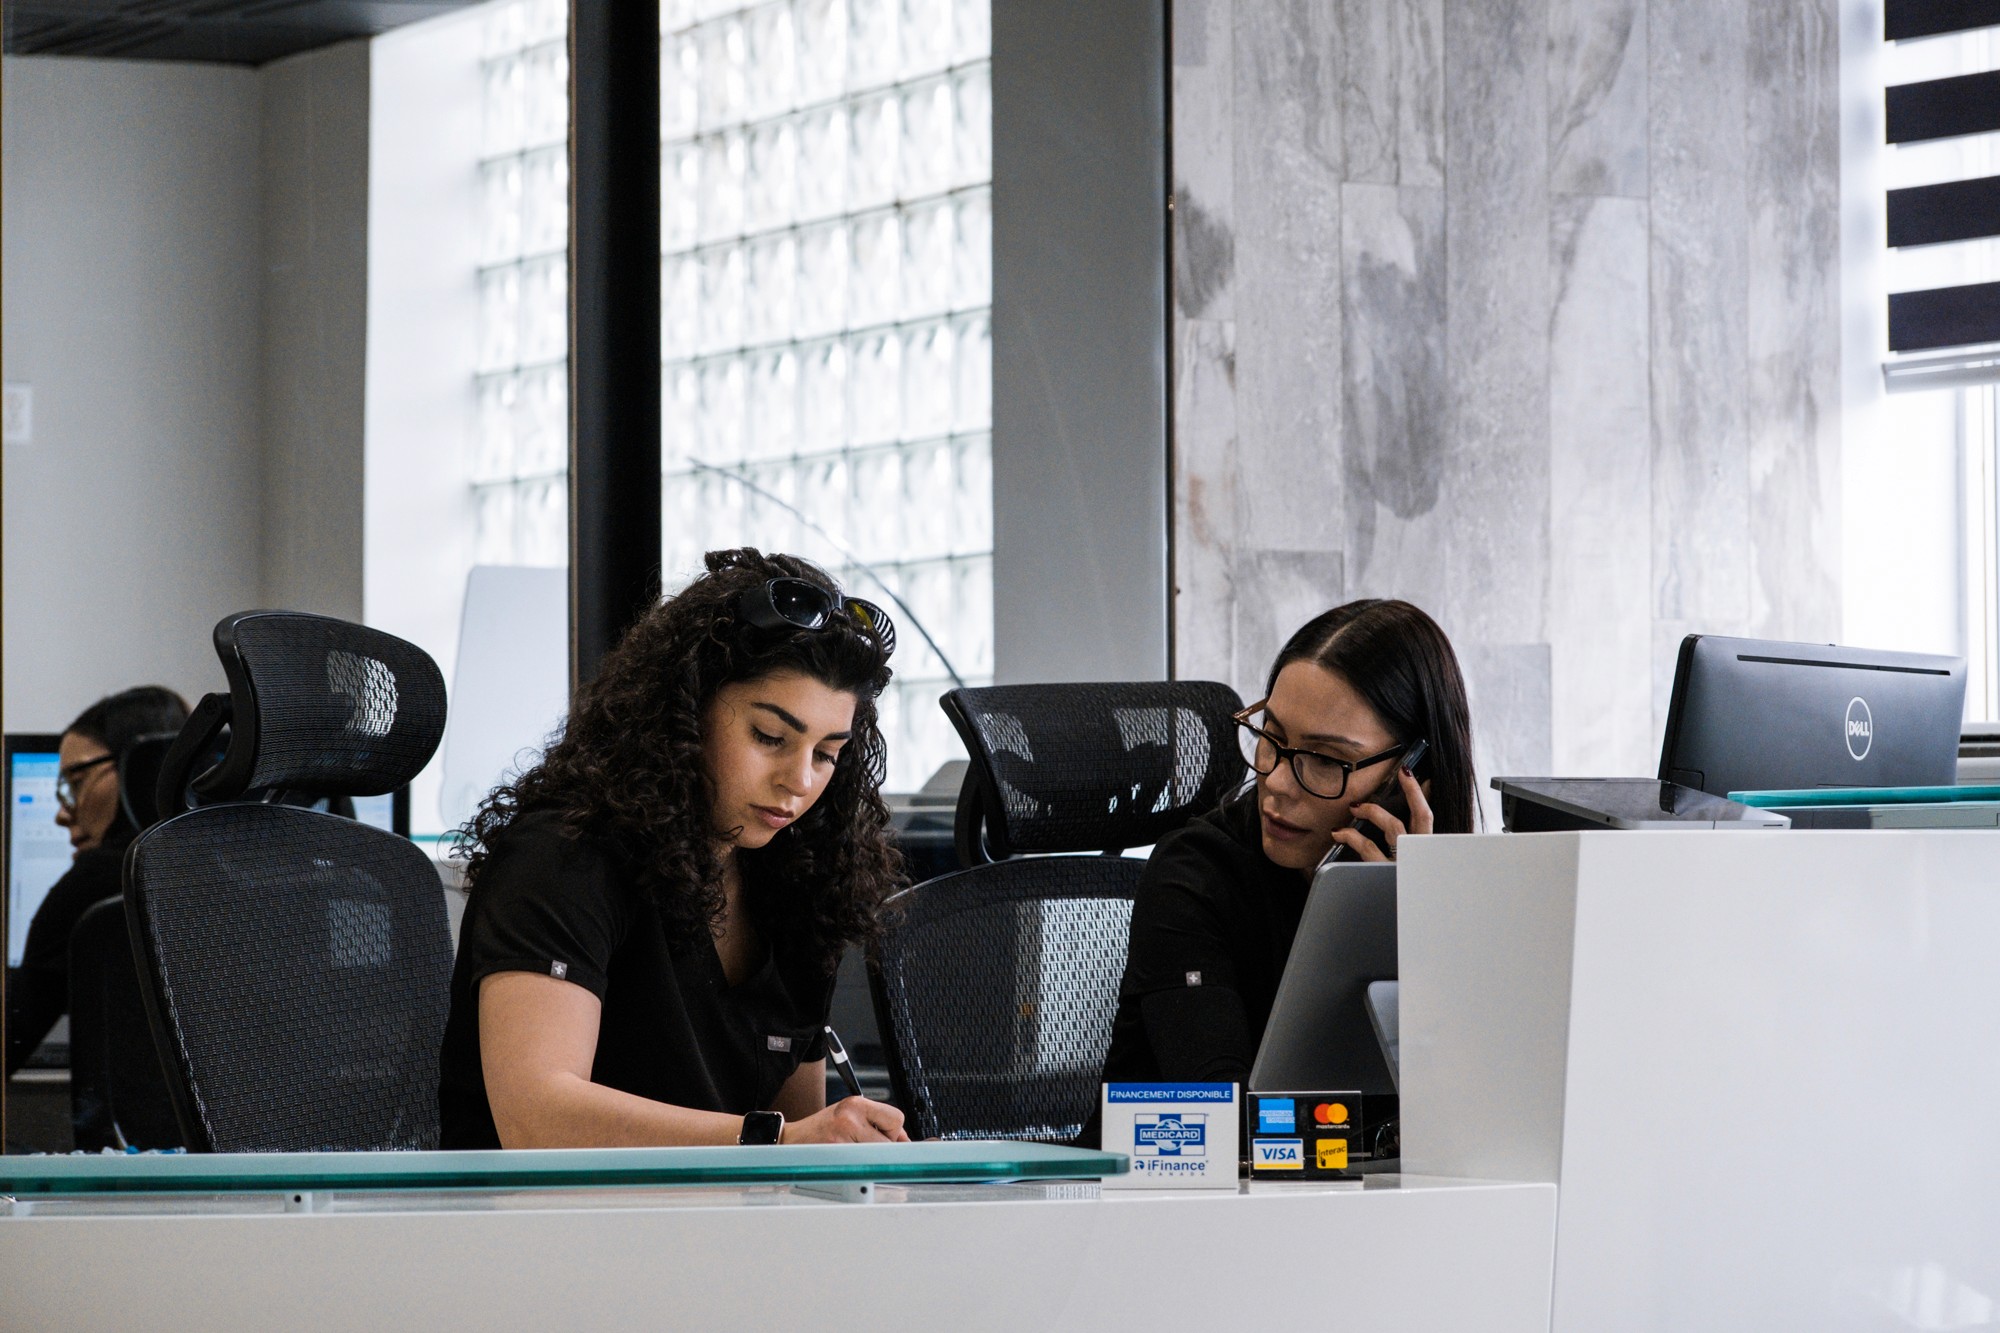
66,784
1319,774
802,604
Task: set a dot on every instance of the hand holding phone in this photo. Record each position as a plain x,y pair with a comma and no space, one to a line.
1393,801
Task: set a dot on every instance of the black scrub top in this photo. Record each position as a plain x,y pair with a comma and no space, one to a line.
672,1028
38,990
1211,930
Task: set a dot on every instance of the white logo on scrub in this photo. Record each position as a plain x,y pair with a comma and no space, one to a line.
1860,728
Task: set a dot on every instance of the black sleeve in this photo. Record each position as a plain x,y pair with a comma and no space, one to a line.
544,903
35,1000
822,1012
91,878
1181,967
38,990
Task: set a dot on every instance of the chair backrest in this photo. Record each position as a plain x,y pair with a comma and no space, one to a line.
118,1094
1087,767
995,986
296,965
994,990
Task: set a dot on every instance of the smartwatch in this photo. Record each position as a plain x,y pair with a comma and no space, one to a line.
762,1127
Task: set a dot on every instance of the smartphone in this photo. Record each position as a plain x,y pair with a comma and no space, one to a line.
1390,797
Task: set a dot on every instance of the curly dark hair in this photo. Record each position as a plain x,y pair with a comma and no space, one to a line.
626,771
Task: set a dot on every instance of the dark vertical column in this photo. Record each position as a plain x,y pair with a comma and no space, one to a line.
614,304
1080,479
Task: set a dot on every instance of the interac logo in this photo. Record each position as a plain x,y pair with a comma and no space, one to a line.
1860,728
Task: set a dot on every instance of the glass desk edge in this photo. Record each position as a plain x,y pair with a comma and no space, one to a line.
961,1162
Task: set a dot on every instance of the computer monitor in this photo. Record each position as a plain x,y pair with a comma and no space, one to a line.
1762,715
390,812
37,847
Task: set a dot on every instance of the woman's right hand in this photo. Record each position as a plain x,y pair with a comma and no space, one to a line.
849,1120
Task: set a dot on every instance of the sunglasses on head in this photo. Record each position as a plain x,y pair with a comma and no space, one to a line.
802,604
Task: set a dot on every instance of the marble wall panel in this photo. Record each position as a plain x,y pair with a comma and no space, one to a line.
1287,105
1600,621
1700,277
1392,91
1397,441
1291,587
1523,310
1497,240
1207,512
1597,97
1792,410
1204,160
1507,690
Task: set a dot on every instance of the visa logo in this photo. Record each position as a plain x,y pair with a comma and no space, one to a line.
1278,1154
1276,1117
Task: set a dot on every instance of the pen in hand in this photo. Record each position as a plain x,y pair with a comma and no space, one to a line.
838,1054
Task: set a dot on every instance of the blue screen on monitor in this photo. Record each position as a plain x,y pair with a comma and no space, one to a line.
37,847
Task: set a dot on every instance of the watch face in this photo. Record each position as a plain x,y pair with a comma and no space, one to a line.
762,1127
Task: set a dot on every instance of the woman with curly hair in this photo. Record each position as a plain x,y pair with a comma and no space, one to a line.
657,908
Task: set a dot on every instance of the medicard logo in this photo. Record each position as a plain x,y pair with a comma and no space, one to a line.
1276,1116
1278,1154
1156,1135
1860,728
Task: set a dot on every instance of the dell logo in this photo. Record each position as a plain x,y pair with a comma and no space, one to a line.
1860,728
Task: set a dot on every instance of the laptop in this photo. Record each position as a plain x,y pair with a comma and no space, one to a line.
1321,1036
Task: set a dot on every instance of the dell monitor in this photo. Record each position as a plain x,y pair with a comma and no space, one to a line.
37,847
1761,715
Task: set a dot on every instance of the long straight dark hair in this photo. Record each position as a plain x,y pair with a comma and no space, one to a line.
1398,659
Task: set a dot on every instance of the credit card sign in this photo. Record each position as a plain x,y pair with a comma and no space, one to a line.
1304,1133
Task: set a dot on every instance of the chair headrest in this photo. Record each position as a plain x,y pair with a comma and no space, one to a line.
322,706
139,778
1086,767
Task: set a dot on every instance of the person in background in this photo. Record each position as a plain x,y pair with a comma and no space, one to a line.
1352,692
88,804
657,908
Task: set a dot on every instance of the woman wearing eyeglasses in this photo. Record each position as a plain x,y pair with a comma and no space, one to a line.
100,828
657,908
1354,693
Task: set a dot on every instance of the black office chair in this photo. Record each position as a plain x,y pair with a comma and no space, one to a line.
295,964
995,985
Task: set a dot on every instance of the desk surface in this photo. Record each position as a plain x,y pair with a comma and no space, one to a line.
1390,1253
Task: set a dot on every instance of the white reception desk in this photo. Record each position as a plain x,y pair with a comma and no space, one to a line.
1762,1068
1712,1080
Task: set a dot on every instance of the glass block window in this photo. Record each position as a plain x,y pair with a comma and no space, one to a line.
520,464
827,314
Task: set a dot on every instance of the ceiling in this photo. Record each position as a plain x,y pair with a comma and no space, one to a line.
229,32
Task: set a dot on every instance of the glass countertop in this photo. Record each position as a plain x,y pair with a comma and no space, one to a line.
805,1164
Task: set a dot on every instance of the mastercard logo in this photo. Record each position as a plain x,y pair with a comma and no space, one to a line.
1330,1113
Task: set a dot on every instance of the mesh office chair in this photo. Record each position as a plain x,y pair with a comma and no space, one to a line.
995,985
296,964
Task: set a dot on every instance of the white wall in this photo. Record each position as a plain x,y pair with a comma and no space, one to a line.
132,521
421,415
184,266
